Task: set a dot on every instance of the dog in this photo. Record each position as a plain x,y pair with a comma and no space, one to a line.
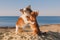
23,19
34,26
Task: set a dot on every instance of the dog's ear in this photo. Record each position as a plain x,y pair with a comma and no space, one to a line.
34,13
29,7
21,10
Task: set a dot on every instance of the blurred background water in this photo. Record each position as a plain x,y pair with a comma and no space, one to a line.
42,20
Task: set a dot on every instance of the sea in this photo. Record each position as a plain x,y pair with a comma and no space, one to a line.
10,21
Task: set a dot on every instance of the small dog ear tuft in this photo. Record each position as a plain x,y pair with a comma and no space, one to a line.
29,6
21,9
36,13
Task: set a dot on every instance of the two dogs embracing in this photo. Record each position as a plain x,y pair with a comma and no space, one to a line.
28,17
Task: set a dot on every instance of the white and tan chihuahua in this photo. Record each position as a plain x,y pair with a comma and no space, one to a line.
22,20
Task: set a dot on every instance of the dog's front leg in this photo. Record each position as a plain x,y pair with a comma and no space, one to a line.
16,29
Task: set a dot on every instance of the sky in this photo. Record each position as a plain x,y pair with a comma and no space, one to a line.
45,7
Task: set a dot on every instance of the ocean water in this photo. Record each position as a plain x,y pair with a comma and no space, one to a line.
42,20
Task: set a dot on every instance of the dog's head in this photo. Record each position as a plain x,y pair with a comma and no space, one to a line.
26,10
33,16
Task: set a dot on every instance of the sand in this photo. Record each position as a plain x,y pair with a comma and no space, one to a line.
52,33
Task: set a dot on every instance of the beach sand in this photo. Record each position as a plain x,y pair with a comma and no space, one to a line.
52,33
